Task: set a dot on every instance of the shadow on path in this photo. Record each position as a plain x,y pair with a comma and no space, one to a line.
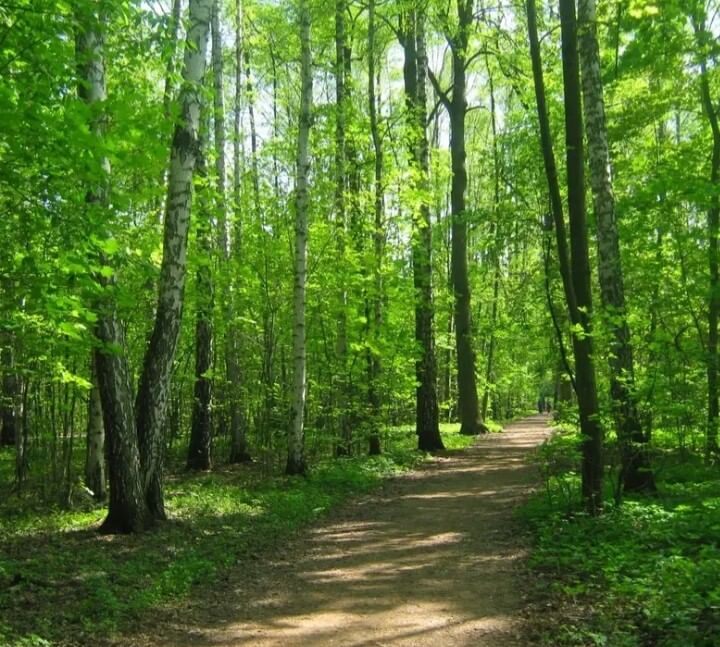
430,560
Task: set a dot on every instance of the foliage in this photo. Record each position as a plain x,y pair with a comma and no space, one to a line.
644,573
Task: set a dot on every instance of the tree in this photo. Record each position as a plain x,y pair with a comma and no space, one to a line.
296,436
636,473
412,39
574,263
458,41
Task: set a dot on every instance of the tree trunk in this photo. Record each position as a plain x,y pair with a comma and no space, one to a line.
95,453
9,392
575,277
704,38
171,65
296,437
412,39
127,511
592,443
636,473
374,363
199,448
340,390
468,406
154,386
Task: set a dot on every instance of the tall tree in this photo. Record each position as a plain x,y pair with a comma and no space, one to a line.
341,154
457,106
127,510
296,436
592,443
574,263
703,39
636,473
412,39
154,385
375,320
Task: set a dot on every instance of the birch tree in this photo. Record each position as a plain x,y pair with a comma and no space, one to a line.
296,436
635,470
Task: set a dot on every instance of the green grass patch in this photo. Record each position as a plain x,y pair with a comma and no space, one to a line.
644,574
59,580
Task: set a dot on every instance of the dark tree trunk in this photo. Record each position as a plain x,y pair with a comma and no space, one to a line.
704,38
199,448
412,38
575,277
376,316
592,443
468,406
9,393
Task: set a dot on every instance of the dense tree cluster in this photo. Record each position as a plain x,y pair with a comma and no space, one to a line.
256,230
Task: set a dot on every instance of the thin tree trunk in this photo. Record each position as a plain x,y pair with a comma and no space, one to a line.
296,437
341,346
374,362
154,386
412,38
9,392
199,448
95,452
704,38
575,277
592,443
636,473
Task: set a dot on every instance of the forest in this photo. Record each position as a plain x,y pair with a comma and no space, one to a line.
259,258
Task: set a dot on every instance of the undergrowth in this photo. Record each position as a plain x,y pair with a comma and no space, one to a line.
646,573
61,581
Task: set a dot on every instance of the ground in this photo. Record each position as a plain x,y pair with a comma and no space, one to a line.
434,558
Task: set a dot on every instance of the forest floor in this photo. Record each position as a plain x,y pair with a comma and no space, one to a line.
434,557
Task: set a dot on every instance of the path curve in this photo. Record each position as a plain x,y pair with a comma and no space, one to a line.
431,560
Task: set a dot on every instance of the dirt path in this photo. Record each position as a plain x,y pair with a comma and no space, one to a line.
430,560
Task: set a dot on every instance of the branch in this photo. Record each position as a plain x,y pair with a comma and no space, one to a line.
442,94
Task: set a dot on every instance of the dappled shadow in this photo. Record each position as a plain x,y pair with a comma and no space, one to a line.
429,560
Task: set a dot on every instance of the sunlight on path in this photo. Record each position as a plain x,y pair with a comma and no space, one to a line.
431,560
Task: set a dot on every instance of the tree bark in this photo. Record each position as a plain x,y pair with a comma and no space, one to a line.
296,437
374,361
468,407
154,386
592,443
703,39
412,39
95,452
127,510
575,274
9,392
343,445
636,472
199,448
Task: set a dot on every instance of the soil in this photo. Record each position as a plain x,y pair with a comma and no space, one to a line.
434,558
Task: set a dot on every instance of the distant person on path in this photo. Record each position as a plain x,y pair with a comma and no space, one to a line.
541,404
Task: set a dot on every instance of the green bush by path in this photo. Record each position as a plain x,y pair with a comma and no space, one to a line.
646,573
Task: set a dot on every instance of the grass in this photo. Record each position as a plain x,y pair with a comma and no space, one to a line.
646,573
62,582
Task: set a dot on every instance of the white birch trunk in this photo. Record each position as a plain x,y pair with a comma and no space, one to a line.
635,469
154,388
296,438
